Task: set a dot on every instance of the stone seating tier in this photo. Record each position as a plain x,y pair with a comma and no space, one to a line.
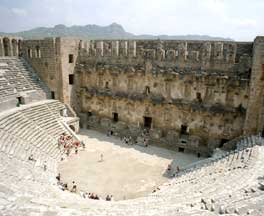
17,76
226,183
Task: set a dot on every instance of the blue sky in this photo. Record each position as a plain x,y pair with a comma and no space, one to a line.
237,19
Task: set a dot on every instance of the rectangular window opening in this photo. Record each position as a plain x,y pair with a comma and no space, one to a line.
52,95
19,99
222,142
180,149
89,114
115,117
71,79
184,130
147,122
199,96
70,58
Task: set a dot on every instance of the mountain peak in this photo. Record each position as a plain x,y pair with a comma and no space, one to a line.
92,31
60,26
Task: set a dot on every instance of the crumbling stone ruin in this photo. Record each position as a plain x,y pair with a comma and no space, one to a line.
191,95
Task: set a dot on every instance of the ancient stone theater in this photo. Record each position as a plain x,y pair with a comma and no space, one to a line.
181,121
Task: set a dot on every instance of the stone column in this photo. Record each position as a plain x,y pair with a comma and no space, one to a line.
10,47
123,48
115,48
132,48
100,48
17,51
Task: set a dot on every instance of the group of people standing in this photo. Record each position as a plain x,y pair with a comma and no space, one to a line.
68,144
132,141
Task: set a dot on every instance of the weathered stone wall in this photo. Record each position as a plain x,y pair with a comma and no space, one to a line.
167,119
200,85
175,86
50,58
255,113
43,56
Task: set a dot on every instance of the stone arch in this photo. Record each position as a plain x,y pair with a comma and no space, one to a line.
38,53
19,45
6,46
29,52
15,47
72,127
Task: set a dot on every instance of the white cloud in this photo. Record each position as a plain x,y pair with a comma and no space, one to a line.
19,11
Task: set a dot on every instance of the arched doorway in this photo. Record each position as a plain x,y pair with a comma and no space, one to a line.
6,43
72,127
19,47
15,47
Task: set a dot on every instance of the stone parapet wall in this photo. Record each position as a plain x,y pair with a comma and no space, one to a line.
10,46
205,55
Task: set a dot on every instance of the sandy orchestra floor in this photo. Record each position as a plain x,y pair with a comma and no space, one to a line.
126,171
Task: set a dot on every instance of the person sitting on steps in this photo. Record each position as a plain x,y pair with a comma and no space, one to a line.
74,187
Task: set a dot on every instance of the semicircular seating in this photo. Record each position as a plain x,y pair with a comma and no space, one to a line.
215,185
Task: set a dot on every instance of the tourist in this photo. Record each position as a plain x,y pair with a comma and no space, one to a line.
92,196
145,142
101,158
61,186
45,165
82,144
31,158
65,186
82,194
108,198
169,168
96,197
59,143
67,151
130,140
177,169
58,177
74,187
108,133
86,195
76,150
111,198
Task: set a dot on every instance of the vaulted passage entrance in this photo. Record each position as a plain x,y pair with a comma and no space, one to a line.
223,141
147,122
115,117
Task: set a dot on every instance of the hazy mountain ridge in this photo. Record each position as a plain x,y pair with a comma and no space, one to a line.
113,31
